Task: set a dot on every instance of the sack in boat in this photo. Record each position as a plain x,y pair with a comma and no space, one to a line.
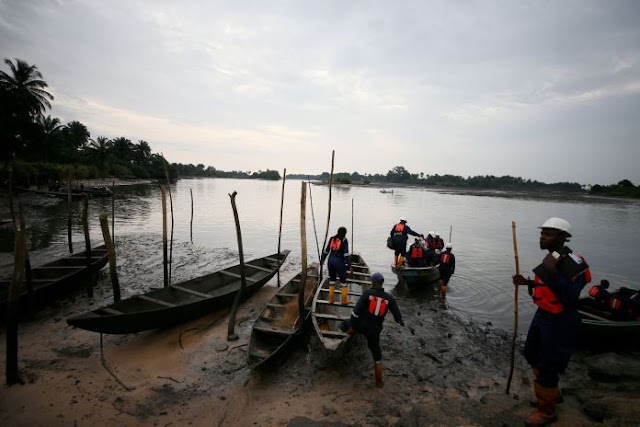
389,242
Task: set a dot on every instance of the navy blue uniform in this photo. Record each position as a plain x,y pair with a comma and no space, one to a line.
447,266
399,235
339,258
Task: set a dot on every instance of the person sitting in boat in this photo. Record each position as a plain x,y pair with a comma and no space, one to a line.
417,254
339,262
438,243
368,316
430,237
600,292
625,304
399,236
447,267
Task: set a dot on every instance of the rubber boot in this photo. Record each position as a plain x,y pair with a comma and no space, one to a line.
344,293
332,290
559,399
545,413
400,263
377,370
395,260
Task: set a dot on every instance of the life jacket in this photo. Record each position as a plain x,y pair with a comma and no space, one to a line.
398,229
445,258
377,306
417,252
615,303
571,267
595,291
335,244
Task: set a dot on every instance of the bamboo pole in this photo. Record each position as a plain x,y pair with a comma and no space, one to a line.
326,233
191,224
113,213
164,237
111,252
69,213
87,242
352,245
450,232
166,172
284,177
515,305
303,249
231,336
11,368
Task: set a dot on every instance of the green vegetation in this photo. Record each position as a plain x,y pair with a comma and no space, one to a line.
200,171
624,188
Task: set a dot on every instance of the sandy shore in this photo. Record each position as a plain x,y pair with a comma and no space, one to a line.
440,370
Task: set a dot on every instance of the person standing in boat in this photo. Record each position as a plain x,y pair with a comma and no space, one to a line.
339,262
447,267
556,288
399,236
368,316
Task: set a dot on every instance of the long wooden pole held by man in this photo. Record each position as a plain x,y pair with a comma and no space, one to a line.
326,233
515,305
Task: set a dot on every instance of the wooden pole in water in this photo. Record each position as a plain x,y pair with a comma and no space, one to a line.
352,245
111,252
191,224
69,213
231,336
12,373
87,242
515,305
313,218
326,233
450,232
164,237
303,249
27,262
113,213
284,177
166,172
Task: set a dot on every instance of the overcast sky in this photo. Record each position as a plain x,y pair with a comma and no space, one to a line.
546,90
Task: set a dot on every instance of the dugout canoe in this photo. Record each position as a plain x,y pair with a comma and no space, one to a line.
55,279
326,318
599,330
279,320
180,302
417,276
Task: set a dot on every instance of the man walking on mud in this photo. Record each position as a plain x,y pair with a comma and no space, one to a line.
368,316
555,290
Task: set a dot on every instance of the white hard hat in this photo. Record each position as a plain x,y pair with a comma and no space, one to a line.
558,224
403,219
438,252
448,246
436,234
433,233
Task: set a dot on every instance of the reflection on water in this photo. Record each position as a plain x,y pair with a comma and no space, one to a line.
607,234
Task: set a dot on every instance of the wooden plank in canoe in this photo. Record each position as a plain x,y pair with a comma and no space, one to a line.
157,301
191,291
330,316
237,276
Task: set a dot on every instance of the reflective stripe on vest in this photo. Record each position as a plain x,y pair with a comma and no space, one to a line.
335,244
445,259
377,306
416,252
615,304
544,298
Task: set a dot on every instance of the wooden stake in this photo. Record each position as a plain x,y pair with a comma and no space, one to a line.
326,233
231,336
113,213
515,305
303,250
12,373
313,218
352,245
111,252
69,213
191,225
164,237
87,241
450,232
166,172
284,177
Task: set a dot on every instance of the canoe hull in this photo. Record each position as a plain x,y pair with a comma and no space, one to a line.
180,302
279,320
417,276
55,279
604,333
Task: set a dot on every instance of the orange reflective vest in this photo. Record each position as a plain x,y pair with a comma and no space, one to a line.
399,229
416,252
445,258
595,291
335,244
544,297
377,306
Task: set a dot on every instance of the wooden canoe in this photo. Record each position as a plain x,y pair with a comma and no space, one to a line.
55,279
326,318
279,320
599,330
417,276
180,302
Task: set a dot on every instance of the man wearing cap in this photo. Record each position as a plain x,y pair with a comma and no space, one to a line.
399,235
555,290
368,316
447,267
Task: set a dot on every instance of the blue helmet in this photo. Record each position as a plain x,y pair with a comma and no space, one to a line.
377,277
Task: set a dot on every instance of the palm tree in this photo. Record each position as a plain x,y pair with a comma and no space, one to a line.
78,135
142,152
25,87
100,150
122,148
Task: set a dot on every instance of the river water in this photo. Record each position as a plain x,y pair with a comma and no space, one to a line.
606,232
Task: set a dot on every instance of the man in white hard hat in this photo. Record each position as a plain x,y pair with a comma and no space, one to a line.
555,290
399,235
446,267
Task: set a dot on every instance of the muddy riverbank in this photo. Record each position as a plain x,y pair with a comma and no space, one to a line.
442,369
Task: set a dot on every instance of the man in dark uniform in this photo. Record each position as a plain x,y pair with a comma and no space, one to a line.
339,262
399,235
417,256
447,267
555,290
368,316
